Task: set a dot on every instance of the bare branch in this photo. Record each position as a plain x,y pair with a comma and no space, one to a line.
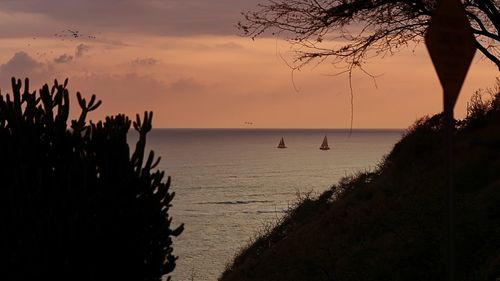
351,32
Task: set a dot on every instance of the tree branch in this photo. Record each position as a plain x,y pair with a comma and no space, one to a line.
489,55
365,27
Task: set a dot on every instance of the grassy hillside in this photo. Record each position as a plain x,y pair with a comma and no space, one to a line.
391,224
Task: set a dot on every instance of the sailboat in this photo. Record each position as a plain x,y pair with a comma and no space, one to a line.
324,145
282,143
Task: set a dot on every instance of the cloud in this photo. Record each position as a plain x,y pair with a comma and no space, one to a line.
65,58
144,62
17,24
185,86
118,90
81,50
177,18
129,93
22,65
20,62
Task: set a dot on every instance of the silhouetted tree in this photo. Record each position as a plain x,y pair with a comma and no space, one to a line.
75,204
364,28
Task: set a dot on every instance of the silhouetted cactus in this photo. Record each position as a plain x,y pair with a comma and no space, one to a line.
75,204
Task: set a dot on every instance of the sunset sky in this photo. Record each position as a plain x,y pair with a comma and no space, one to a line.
186,61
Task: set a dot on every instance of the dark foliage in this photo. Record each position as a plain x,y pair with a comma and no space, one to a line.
75,205
483,108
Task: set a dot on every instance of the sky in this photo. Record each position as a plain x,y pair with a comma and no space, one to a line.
187,62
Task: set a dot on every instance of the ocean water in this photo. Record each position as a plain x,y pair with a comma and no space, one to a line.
231,183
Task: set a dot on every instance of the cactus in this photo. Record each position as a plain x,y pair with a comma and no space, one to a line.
76,205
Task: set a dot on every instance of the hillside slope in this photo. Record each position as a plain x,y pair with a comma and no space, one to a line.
390,224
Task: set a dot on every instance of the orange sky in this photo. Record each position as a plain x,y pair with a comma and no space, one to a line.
220,80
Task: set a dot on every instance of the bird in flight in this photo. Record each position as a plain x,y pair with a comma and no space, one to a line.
73,34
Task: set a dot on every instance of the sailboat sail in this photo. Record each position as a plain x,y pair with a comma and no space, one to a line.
282,143
324,145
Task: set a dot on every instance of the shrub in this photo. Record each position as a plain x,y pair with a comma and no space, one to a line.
75,204
476,110
480,110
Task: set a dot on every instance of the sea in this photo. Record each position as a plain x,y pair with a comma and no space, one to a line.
232,184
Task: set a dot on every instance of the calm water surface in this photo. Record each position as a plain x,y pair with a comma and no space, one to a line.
230,183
